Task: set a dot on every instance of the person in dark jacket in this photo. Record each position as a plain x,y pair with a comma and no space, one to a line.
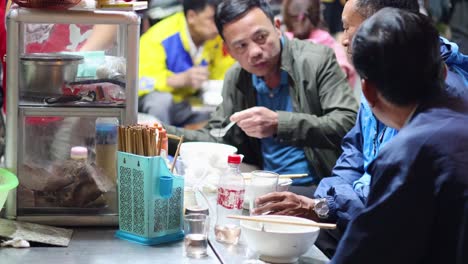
289,98
345,193
417,209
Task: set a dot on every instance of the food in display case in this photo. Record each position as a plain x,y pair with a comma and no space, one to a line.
49,175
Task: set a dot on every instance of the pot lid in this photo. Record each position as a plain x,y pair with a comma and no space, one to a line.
51,57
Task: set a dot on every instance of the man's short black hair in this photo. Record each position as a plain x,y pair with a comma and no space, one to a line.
399,52
231,10
198,5
367,8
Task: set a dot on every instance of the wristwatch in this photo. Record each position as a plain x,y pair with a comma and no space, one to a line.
321,207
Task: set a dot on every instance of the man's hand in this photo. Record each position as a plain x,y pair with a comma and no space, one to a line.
196,76
285,203
193,77
257,122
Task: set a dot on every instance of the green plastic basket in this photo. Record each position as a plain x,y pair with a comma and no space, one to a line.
8,181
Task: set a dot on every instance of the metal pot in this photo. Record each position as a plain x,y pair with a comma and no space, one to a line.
46,73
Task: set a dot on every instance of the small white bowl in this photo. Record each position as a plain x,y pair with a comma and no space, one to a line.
279,243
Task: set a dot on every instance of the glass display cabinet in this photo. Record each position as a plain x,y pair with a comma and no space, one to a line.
58,95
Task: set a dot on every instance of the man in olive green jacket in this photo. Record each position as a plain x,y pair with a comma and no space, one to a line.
323,107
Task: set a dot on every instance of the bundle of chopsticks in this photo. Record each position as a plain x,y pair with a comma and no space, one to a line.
144,140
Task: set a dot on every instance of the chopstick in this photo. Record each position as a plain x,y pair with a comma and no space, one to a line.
181,140
143,140
281,176
276,221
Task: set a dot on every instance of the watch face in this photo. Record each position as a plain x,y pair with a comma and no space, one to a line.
321,208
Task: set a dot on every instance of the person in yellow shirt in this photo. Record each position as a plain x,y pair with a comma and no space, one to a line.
177,55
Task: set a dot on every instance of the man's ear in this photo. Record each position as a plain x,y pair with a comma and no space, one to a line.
189,16
370,92
226,48
277,24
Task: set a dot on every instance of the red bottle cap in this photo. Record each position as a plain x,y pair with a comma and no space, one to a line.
234,158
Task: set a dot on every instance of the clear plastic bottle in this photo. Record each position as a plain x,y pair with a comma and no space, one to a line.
231,189
106,156
106,146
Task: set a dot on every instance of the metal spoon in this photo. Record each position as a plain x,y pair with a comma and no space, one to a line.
221,132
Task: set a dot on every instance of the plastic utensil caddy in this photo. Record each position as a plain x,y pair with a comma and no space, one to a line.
150,200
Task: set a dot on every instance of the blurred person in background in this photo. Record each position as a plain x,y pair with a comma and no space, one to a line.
421,174
102,37
303,20
459,24
440,11
44,38
159,10
332,15
289,98
177,56
345,193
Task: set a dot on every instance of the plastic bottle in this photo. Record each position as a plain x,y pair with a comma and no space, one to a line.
231,189
106,155
106,146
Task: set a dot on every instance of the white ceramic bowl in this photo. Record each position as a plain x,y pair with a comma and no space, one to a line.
279,243
204,161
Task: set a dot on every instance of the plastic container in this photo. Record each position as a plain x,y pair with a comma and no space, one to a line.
204,162
106,146
106,155
8,181
231,189
150,200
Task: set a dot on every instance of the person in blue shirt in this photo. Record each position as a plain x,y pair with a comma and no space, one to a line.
345,193
417,207
281,94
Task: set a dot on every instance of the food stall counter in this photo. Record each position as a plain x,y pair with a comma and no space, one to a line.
99,246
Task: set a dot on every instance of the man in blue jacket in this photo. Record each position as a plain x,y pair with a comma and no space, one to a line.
347,191
417,207
340,197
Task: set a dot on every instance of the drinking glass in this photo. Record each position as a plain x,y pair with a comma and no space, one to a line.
262,182
196,228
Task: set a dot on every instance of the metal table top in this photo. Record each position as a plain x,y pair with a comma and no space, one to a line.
99,246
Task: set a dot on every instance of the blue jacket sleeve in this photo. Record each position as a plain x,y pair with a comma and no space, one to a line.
400,223
338,189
